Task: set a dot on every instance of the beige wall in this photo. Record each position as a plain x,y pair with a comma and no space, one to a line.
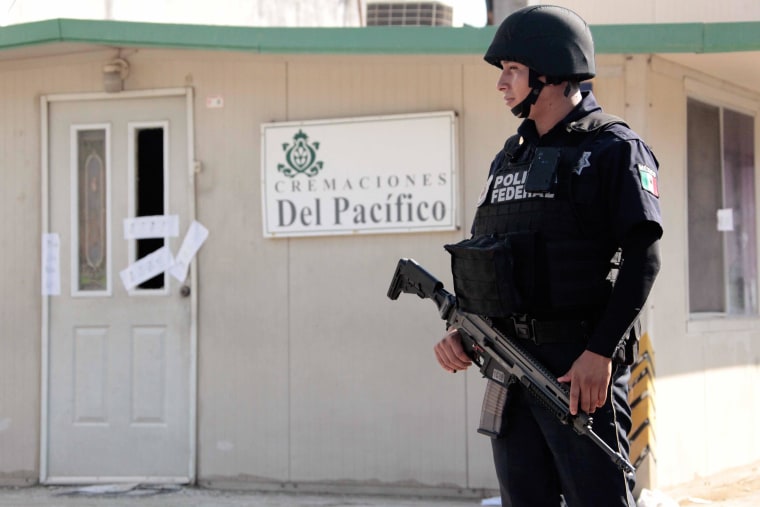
707,368
307,372
21,84
19,269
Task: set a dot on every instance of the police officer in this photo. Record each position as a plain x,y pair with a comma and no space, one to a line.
571,205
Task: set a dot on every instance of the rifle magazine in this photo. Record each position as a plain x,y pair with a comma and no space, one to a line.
492,411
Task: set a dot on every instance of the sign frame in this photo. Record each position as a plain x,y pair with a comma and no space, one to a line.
382,174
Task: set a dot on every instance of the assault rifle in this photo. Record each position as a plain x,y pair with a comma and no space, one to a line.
499,357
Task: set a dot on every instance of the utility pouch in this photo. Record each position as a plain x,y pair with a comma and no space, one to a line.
483,271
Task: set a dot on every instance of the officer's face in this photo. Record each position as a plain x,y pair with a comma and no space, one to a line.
513,82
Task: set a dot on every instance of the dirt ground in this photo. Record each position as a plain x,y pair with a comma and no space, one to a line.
739,487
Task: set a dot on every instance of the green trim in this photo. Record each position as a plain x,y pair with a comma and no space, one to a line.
373,40
609,39
30,34
728,37
678,38
662,38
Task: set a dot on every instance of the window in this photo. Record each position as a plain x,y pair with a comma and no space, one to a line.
91,257
721,217
148,198
149,192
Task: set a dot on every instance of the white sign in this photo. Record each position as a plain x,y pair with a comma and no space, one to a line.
726,219
156,226
146,268
378,174
51,264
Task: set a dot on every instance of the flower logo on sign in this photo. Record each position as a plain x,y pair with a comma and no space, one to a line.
301,157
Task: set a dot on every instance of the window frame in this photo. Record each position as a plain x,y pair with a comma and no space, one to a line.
75,289
133,128
723,96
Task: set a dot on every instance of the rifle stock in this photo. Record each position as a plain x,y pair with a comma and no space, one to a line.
498,356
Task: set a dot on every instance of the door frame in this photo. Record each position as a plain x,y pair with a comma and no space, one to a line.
45,102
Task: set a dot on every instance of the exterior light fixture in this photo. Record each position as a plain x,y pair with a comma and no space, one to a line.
114,74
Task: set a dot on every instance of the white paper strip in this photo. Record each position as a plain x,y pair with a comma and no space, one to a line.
726,219
147,267
156,226
51,264
196,235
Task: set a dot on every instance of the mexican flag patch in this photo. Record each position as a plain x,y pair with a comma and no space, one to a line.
648,179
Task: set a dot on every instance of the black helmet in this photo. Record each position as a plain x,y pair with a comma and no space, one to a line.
553,41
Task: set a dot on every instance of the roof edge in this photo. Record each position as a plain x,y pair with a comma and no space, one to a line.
609,39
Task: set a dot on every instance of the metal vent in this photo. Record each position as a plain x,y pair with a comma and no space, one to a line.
408,13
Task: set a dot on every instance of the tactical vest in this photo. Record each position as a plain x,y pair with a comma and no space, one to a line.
537,246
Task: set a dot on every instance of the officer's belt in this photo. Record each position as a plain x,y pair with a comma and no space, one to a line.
546,331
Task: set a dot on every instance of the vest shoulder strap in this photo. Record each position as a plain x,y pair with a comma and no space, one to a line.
595,121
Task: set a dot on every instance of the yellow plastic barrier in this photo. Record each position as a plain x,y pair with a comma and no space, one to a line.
641,398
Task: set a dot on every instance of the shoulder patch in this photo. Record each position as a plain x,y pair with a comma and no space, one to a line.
648,179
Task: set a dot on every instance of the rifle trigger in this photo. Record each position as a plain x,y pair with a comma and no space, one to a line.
477,355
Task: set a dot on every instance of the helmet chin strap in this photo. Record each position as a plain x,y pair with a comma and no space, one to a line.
522,110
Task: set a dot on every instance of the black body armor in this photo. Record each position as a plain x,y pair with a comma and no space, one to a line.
538,247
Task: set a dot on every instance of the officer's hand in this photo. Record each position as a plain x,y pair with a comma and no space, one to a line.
450,354
589,377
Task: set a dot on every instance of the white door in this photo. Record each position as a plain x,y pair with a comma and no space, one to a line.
119,360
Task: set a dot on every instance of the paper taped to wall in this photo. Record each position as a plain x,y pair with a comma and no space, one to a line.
51,264
726,219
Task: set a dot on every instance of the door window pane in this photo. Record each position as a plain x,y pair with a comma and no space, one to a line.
92,213
149,195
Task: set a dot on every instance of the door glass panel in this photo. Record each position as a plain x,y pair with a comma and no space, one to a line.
149,194
92,185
